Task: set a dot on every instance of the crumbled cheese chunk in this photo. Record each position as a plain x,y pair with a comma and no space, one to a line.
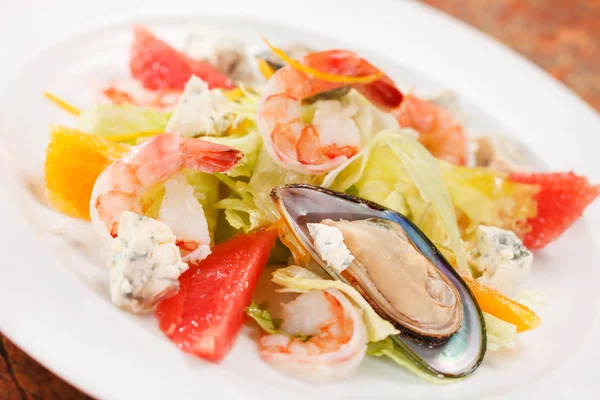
330,245
144,263
201,111
503,260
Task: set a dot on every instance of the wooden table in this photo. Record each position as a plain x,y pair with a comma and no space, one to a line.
562,36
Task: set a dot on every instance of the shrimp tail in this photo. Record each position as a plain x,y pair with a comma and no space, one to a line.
209,157
383,93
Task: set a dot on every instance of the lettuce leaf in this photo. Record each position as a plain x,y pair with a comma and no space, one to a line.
110,119
485,197
531,298
239,208
301,280
499,333
396,171
266,176
249,204
262,316
389,349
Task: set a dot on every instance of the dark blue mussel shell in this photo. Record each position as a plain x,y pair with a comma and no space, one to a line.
300,204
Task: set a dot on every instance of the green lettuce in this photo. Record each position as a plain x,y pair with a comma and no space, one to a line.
110,119
267,175
389,349
249,204
499,333
396,171
301,280
239,208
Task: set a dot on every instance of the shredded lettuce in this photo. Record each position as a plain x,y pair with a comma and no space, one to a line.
531,298
248,104
239,208
248,205
266,176
485,197
260,313
396,171
389,349
109,119
499,333
297,279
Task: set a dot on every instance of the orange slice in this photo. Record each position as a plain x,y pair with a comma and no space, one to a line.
74,160
493,302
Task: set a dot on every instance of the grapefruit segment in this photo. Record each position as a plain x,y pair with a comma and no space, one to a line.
159,66
560,202
205,316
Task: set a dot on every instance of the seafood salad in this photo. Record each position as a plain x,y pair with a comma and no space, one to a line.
384,226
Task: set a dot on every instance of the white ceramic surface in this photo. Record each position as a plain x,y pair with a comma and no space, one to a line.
53,286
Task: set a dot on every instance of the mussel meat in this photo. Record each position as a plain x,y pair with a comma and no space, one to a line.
400,283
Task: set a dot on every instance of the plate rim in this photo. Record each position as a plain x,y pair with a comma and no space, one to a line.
5,197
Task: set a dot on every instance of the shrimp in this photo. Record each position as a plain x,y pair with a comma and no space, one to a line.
317,147
439,131
337,342
132,92
154,161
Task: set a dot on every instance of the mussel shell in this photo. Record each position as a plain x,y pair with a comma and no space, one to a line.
300,204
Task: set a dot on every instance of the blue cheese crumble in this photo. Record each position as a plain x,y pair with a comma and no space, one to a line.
503,261
201,111
144,263
329,242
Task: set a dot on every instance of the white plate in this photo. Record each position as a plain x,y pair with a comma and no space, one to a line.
53,295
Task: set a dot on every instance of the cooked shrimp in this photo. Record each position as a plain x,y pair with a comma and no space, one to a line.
132,92
438,130
337,337
317,147
152,162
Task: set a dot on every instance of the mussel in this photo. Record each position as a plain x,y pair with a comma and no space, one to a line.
296,52
399,272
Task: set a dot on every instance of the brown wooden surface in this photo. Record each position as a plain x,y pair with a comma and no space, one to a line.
562,36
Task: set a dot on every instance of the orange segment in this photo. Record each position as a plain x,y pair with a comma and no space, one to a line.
73,162
500,306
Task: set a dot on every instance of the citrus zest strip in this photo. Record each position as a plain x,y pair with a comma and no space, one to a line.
324,76
265,69
62,104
